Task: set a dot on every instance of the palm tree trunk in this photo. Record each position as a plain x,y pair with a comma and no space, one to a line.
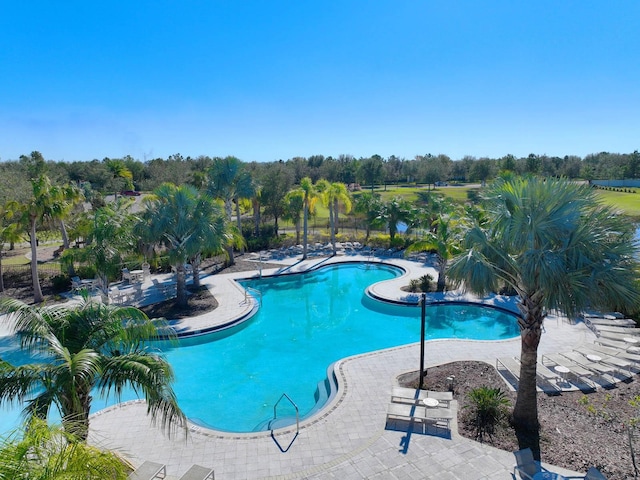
229,210
181,288
525,411
37,291
75,414
1,272
65,236
195,267
305,225
256,218
442,279
239,220
336,217
331,222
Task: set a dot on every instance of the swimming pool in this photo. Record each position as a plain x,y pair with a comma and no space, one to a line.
305,323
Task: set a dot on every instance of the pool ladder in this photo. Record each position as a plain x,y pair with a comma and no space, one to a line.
248,292
275,417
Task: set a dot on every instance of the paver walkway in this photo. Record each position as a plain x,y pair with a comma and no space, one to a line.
345,440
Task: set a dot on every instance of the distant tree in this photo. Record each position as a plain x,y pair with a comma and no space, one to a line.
394,211
230,182
276,181
294,208
371,170
481,170
368,205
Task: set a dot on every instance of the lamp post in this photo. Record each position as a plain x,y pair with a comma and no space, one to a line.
423,306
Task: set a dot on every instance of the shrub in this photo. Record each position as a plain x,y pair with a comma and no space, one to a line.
86,271
489,407
60,283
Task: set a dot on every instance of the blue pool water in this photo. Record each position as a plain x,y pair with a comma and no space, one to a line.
231,381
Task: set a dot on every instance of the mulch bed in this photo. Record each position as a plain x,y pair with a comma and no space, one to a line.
578,430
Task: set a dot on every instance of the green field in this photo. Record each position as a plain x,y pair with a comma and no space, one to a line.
629,203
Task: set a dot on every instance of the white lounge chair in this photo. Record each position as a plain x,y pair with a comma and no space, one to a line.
196,472
438,417
591,353
149,471
411,395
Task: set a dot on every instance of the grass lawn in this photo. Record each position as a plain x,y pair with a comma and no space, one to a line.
629,203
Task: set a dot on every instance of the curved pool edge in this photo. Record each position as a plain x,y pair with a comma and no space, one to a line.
342,390
339,387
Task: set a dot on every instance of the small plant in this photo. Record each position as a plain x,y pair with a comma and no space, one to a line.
489,406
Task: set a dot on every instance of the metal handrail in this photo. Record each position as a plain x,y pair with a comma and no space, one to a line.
255,291
275,411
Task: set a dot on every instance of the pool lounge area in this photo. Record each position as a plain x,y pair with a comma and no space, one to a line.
347,438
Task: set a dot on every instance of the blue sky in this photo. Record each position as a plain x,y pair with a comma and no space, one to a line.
268,80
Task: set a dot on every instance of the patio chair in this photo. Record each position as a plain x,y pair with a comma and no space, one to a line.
196,472
526,466
149,471
594,474
126,275
76,284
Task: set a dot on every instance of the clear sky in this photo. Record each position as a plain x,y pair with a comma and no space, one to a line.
267,80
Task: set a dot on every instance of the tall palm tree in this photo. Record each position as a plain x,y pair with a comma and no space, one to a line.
70,196
187,223
310,198
560,250
46,203
90,348
445,239
332,194
41,451
230,182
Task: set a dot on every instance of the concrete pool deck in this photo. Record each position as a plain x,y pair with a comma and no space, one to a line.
348,438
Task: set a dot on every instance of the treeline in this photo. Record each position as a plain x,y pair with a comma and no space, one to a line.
110,175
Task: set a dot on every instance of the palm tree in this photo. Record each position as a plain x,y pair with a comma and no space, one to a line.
310,198
230,182
394,211
368,205
46,452
445,239
294,207
46,203
110,238
9,232
70,196
119,170
90,348
558,249
186,223
332,194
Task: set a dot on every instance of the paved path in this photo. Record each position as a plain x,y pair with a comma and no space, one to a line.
348,439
